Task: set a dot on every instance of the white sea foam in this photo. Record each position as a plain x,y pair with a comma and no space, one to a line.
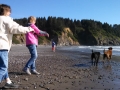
87,49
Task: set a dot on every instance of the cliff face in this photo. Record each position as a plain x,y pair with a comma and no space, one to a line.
67,38
84,32
18,39
108,41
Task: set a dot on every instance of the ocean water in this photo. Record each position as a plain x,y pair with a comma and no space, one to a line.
87,49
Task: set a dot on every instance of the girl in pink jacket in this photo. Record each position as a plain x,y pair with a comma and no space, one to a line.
31,43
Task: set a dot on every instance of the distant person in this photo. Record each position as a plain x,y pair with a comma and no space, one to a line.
53,46
8,27
32,43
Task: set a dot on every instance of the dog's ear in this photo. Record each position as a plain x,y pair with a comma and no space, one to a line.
110,48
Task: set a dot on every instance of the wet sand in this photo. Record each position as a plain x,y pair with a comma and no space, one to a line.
62,70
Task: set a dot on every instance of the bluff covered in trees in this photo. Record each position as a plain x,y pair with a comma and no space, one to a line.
65,31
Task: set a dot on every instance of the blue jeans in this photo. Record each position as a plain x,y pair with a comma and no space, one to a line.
3,64
31,61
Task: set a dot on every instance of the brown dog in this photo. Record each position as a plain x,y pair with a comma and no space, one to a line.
107,53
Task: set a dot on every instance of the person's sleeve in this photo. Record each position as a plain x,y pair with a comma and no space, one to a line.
15,28
38,31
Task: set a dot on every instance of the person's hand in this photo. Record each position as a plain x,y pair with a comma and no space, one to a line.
47,35
33,31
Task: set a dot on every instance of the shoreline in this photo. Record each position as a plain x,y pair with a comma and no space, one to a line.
62,70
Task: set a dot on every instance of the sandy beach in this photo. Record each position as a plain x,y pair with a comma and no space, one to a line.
62,70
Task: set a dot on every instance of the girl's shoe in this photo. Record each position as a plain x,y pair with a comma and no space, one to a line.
27,71
10,86
35,72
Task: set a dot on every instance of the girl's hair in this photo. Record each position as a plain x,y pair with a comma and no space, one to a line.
31,19
4,8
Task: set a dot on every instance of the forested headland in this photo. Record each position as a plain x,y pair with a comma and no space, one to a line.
65,31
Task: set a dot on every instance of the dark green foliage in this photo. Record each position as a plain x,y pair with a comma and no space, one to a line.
85,31
40,40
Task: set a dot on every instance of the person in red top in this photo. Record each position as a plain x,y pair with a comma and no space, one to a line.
53,46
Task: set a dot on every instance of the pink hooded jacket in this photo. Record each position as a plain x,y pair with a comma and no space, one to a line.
32,37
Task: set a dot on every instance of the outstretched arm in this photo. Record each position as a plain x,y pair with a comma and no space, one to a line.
15,28
38,31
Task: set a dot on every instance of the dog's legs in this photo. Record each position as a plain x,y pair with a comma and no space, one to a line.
92,62
110,58
95,61
104,58
109,61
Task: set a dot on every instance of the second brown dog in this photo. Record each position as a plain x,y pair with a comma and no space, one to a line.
107,53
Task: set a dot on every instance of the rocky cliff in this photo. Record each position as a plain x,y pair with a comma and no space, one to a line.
67,38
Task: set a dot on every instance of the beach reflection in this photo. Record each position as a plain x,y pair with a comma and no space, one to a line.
107,67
